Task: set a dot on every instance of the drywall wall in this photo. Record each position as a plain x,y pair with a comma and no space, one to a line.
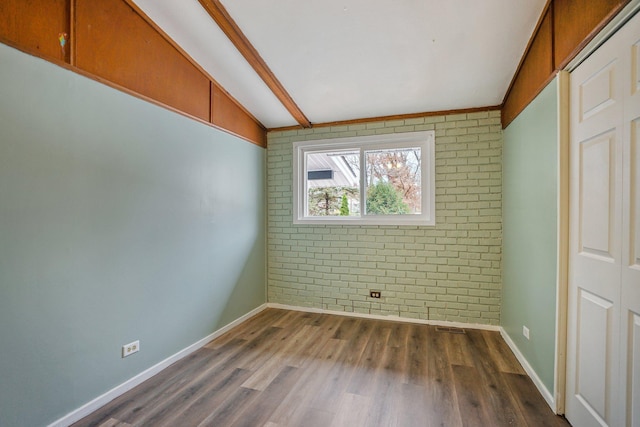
530,215
119,221
448,272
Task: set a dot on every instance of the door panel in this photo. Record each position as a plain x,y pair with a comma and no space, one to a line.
635,64
634,204
596,93
633,379
596,195
593,353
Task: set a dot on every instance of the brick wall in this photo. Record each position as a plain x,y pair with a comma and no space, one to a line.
448,272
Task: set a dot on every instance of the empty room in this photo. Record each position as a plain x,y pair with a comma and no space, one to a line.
319,213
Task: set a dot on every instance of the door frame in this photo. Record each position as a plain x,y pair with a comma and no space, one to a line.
562,290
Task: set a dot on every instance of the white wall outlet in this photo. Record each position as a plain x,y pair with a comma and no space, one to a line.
129,349
525,332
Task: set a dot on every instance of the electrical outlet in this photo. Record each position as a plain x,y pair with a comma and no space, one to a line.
374,294
525,332
129,349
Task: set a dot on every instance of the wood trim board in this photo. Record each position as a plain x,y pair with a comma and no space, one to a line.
393,117
562,285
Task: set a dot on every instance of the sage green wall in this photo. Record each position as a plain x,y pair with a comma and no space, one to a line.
119,220
530,212
448,272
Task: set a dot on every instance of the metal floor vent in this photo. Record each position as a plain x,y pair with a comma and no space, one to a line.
450,330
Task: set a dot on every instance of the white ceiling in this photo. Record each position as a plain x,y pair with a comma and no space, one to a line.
351,59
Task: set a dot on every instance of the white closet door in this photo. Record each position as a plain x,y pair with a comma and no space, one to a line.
603,317
630,297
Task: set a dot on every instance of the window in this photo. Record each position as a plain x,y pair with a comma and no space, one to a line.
377,180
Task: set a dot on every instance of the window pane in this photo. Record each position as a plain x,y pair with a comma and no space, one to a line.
393,173
333,183
393,181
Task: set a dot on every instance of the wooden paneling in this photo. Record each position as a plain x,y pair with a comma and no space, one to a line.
534,72
576,22
226,114
35,25
115,43
567,27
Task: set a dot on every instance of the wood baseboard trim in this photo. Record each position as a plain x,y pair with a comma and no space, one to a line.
390,318
115,392
546,394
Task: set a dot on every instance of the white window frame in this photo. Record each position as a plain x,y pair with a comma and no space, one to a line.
424,139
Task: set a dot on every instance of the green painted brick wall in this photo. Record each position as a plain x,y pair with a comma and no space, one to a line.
448,272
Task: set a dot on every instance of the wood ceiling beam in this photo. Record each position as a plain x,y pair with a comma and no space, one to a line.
226,23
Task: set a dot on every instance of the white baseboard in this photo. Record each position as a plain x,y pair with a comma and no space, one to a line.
117,391
107,397
546,394
390,317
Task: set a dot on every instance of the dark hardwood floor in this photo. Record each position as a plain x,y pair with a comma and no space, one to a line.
289,368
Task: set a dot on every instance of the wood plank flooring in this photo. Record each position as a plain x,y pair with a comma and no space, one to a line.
289,368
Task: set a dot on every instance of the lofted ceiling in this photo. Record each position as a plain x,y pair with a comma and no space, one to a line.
353,59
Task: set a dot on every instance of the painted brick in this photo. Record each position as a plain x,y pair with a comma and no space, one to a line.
424,127
455,117
445,125
478,115
448,272
414,121
434,119
383,131
366,132
467,123
393,123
